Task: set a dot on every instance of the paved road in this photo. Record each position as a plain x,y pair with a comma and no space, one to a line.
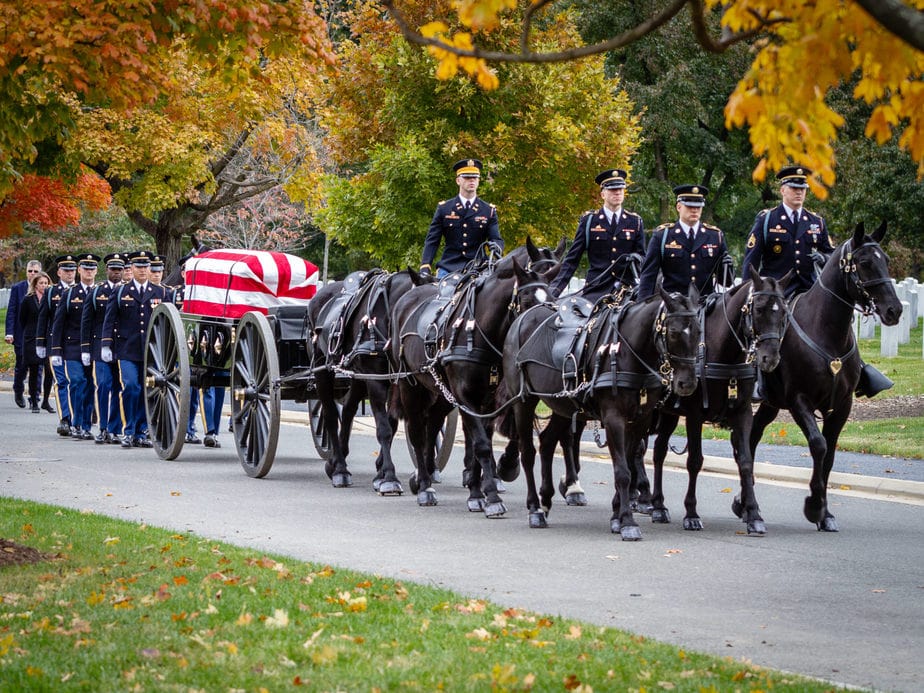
845,607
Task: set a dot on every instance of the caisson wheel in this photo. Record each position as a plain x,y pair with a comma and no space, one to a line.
166,381
255,400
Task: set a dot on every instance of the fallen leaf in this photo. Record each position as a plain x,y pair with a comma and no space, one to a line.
111,540
479,634
279,619
180,580
314,636
175,493
725,490
574,632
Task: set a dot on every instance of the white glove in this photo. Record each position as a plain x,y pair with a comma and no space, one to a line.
85,358
106,354
56,361
40,352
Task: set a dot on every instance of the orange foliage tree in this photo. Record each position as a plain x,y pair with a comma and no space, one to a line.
50,203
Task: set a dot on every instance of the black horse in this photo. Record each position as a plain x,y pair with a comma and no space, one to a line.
350,361
448,345
629,356
819,362
741,333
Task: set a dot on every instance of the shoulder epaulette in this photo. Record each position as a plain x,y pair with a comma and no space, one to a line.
629,214
665,225
710,226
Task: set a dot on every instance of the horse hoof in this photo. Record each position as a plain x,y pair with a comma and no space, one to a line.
576,499
493,511
376,484
329,469
737,507
693,524
412,483
615,526
757,527
508,470
499,485
537,520
436,477
829,524
631,533
390,488
475,505
562,487
342,480
426,499
661,516
814,510
642,508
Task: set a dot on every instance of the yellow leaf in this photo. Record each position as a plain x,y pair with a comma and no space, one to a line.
725,490
111,540
244,620
574,632
279,619
479,634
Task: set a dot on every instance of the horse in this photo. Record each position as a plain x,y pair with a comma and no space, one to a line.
447,340
741,332
174,278
350,360
819,361
630,355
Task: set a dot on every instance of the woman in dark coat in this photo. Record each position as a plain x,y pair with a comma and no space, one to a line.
28,319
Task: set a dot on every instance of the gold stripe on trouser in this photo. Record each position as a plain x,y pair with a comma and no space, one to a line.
122,403
54,377
99,418
205,422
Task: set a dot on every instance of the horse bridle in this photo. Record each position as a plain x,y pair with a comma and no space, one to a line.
754,338
666,368
847,264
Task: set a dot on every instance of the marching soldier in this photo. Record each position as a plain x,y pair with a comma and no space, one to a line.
464,222
687,251
612,237
66,350
91,333
124,329
788,236
67,268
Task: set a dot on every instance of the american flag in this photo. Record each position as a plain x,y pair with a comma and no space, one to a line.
228,283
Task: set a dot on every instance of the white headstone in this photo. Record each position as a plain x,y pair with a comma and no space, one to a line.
888,346
866,326
904,324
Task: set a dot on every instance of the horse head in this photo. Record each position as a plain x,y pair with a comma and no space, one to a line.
530,288
678,334
766,315
866,269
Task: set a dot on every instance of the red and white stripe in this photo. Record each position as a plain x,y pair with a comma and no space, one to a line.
228,283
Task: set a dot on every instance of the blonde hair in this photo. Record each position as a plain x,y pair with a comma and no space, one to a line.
34,281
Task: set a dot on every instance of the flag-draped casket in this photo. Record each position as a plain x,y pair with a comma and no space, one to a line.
228,283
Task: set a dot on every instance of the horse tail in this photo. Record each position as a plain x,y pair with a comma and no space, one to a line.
504,423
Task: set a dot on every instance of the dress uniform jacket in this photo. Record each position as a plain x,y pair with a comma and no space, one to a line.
463,232
28,320
787,244
682,261
127,317
605,243
65,331
50,301
91,324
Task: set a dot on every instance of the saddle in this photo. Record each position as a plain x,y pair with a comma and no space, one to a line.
429,319
337,313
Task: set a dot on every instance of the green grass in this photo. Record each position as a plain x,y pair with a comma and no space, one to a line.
904,369
7,355
128,607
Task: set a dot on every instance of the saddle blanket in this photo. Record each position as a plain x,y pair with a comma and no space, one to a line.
227,283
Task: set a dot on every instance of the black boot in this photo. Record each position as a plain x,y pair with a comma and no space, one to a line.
46,405
33,405
872,381
20,401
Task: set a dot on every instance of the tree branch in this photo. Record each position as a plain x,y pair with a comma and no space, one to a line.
898,18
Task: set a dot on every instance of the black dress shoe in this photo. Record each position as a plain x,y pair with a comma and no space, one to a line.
114,438
193,439
126,442
211,441
46,405
20,401
102,438
34,407
142,442
64,428
86,435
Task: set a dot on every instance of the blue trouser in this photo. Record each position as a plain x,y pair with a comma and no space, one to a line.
193,410
64,407
213,401
81,400
106,400
133,417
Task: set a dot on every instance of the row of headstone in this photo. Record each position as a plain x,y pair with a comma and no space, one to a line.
911,294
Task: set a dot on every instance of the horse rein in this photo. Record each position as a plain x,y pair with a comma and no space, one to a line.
848,267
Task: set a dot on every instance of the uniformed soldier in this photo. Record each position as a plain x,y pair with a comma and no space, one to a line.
788,236
67,269
687,251
124,328
91,334
464,222
66,350
612,237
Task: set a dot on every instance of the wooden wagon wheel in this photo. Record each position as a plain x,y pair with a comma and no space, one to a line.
444,441
166,381
255,400
318,433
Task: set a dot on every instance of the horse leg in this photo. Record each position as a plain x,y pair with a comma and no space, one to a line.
418,420
815,508
568,485
348,411
621,521
558,430
745,506
666,425
498,482
508,465
764,416
831,430
524,413
336,466
388,484
488,496
691,520
641,486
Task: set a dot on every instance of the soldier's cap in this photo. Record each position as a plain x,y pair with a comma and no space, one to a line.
612,179
141,258
794,176
468,168
66,262
88,260
115,260
157,264
691,195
